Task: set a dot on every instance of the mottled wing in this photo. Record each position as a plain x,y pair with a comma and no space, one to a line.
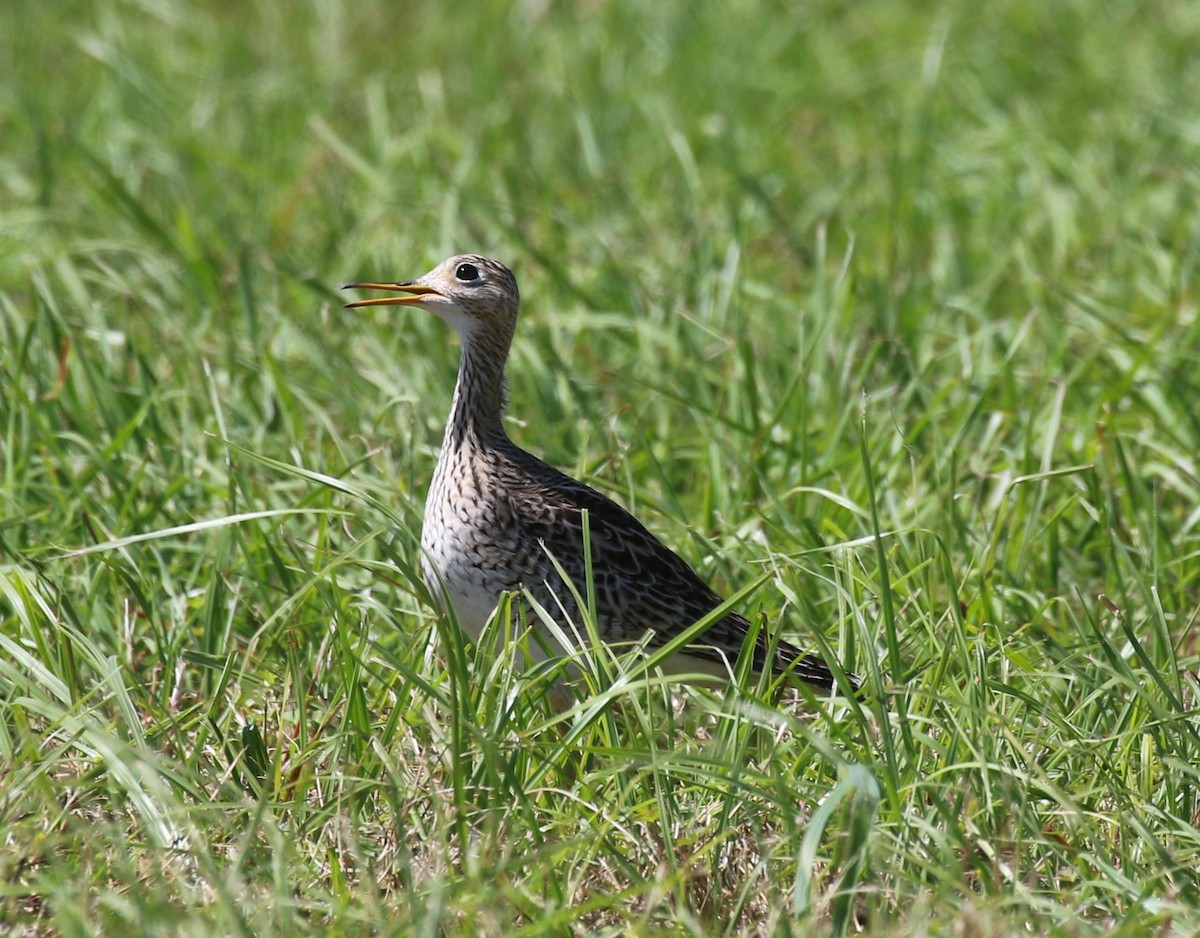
641,585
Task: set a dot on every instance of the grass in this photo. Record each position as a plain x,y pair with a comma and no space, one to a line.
885,312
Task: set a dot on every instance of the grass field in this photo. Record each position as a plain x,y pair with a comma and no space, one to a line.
882,314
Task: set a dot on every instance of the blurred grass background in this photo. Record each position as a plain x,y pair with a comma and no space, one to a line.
793,276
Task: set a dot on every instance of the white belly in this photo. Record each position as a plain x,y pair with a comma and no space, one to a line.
455,580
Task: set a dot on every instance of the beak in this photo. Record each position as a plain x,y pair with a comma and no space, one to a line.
414,293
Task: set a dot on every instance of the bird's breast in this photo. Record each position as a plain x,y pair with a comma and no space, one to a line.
467,542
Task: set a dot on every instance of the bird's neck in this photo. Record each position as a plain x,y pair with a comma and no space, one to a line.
475,413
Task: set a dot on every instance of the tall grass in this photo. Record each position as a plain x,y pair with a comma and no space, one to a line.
884,315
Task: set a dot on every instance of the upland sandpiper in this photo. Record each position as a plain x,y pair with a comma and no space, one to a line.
498,519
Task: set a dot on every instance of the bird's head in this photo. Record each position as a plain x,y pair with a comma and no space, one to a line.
468,291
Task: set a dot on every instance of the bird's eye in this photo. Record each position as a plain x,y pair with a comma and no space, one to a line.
467,272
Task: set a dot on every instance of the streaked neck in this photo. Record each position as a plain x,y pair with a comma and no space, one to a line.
478,405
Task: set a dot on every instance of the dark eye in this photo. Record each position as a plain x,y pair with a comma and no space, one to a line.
466,272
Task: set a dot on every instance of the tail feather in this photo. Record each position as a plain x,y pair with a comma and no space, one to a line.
787,659
812,669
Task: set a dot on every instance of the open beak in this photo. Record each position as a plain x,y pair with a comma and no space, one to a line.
414,292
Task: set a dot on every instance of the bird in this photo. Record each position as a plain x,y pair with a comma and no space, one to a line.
500,520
